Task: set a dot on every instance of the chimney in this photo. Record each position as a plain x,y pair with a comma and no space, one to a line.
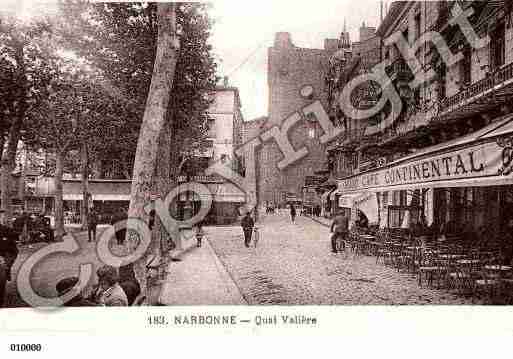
282,40
225,81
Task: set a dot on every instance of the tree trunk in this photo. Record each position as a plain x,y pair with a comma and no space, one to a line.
8,166
8,161
85,184
2,144
153,121
59,206
163,184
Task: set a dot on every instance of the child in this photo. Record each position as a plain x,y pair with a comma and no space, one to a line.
199,234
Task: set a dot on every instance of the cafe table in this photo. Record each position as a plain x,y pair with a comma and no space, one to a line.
368,239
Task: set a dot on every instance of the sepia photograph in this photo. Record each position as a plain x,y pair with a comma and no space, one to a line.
347,153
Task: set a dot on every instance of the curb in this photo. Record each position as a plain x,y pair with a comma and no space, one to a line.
228,276
316,220
177,254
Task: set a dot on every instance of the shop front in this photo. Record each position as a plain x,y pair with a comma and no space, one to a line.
326,204
360,205
464,184
226,198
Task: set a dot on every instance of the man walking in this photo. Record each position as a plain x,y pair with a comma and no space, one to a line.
247,224
292,213
119,224
92,222
340,229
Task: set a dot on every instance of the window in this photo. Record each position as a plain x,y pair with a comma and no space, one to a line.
466,66
417,26
441,81
497,46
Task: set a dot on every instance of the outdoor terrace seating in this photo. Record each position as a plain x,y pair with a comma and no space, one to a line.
467,268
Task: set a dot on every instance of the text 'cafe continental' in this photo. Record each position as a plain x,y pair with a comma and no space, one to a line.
455,179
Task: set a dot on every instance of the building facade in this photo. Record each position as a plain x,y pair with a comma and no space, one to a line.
444,160
225,135
290,68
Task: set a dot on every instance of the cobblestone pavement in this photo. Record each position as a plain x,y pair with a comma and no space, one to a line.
293,265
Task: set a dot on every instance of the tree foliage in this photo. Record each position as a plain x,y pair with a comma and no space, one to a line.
120,39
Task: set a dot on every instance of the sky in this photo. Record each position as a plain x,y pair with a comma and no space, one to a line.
244,30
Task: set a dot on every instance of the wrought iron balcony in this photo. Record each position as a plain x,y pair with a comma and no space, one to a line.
492,82
398,70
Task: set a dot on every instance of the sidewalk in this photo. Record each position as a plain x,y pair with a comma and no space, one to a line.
324,221
199,279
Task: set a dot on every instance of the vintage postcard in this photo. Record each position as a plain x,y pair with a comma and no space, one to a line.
255,167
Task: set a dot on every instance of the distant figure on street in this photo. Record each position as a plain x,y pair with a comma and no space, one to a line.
119,226
293,213
247,224
340,229
200,233
64,286
92,222
109,292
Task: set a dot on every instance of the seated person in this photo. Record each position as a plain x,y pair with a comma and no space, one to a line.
64,286
109,293
129,283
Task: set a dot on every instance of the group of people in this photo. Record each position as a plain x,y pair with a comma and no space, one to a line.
33,228
115,288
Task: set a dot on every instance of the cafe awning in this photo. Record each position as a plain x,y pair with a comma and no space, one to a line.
347,201
368,204
482,158
219,192
365,202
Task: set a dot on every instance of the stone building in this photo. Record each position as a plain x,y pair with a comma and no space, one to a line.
290,68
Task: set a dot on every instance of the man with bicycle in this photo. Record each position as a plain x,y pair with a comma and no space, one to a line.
340,229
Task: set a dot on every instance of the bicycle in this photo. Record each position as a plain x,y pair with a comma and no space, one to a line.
256,236
340,242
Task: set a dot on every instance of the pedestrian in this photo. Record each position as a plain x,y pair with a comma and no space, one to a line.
247,224
119,222
199,234
67,284
92,222
109,292
8,255
340,229
293,213
151,222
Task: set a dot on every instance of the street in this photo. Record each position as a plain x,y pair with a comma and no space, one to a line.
293,265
